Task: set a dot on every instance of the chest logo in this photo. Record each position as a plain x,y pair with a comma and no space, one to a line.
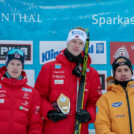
26,89
58,81
117,104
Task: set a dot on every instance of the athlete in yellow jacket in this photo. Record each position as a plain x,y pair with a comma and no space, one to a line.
115,109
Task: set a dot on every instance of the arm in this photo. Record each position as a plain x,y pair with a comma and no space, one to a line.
35,123
94,93
102,122
43,86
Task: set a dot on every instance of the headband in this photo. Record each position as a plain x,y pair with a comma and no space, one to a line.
77,34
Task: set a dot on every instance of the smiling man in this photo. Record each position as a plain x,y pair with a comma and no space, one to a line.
19,102
62,77
115,109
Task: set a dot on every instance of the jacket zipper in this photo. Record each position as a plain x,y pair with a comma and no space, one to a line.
130,122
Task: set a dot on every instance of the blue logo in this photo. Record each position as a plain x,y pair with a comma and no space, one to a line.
96,109
91,49
117,104
99,48
78,32
131,86
26,89
57,66
48,55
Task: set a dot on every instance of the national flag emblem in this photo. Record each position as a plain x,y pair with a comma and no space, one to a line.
76,36
17,56
57,66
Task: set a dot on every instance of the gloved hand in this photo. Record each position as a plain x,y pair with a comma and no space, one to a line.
82,116
55,116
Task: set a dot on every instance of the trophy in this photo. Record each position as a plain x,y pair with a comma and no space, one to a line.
64,103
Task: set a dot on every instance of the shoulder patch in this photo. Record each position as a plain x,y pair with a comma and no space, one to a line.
96,109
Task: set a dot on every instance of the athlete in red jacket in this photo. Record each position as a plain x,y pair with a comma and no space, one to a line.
63,76
19,103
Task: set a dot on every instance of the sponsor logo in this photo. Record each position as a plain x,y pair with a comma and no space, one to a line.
25,18
0,85
2,95
2,91
125,49
58,76
37,109
2,100
122,51
117,104
57,66
23,108
91,49
78,32
26,96
48,55
131,86
122,115
58,81
26,89
96,109
25,103
99,48
4,48
120,61
58,72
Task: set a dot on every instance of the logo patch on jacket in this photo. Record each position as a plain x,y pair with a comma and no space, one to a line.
117,104
96,109
0,85
2,100
23,108
131,86
57,66
26,89
58,81
122,115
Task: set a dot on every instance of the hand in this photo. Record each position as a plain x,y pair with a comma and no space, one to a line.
56,116
82,116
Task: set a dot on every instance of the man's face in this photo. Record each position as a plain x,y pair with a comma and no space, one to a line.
75,46
123,73
14,68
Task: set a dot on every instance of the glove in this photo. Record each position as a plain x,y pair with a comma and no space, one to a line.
55,116
82,116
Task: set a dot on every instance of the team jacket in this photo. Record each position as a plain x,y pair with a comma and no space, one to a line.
55,78
19,106
115,110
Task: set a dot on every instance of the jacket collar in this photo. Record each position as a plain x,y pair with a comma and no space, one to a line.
61,57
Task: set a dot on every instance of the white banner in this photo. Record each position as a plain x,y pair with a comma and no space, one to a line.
50,49
97,52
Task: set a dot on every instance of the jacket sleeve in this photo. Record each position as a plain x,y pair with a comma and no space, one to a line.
43,86
94,94
35,122
102,122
